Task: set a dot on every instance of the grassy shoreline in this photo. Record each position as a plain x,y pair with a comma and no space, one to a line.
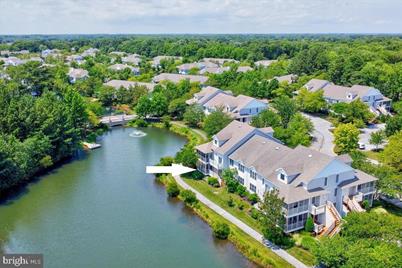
240,239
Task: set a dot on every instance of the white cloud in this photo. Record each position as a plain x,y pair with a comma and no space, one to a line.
198,16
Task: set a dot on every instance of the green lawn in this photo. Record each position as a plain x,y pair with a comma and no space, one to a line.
372,155
220,196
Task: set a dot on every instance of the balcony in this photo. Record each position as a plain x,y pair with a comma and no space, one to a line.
317,210
294,226
297,210
358,197
318,228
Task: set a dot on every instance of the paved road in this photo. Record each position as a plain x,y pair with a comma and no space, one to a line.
323,138
365,134
247,229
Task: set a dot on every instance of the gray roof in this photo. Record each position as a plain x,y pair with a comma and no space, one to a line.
243,69
120,67
290,78
339,93
157,60
77,73
316,84
214,70
360,178
133,59
127,84
175,78
264,63
219,61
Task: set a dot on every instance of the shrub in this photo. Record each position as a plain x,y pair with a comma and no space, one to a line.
166,121
309,226
230,202
240,205
140,123
366,204
253,198
172,189
187,156
213,182
309,243
189,197
254,213
241,190
195,175
166,161
221,230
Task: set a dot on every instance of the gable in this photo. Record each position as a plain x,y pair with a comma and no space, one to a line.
255,104
334,167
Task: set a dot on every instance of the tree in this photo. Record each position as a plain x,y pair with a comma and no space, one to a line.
272,217
309,226
177,108
356,112
172,189
221,230
216,121
297,132
346,138
193,115
393,124
392,151
189,197
159,105
229,177
144,107
311,102
377,138
106,95
286,108
266,118
187,156
309,61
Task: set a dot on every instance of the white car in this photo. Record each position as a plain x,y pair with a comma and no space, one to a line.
361,145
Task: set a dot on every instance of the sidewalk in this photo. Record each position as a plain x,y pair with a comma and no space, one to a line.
247,229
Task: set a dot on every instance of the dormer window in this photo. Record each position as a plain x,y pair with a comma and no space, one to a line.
282,176
216,142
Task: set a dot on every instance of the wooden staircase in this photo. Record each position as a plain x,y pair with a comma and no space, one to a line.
352,204
335,227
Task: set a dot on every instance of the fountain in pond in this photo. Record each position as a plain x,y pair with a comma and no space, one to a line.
137,134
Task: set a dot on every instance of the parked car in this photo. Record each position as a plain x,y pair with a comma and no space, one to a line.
361,145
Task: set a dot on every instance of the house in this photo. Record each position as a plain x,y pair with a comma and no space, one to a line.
127,84
377,102
214,70
244,69
242,108
12,61
310,182
290,78
176,78
118,53
50,53
187,67
77,74
219,61
75,58
264,63
121,67
90,52
156,61
134,59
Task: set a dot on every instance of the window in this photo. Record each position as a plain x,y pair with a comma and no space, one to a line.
336,191
253,175
325,181
337,178
241,180
220,160
282,176
253,188
231,162
241,168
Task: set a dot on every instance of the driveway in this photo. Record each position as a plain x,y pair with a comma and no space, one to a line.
323,139
365,133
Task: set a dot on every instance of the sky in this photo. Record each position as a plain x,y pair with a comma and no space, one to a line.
199,16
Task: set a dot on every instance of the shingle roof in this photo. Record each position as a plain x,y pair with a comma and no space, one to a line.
338,93
120,67
175,78
214,70
264,63
127,84
77,73
243,69
290,78
316,84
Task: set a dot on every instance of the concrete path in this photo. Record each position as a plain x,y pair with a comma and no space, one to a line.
247,229
323,138
201,133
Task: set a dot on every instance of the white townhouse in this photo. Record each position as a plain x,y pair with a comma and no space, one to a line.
334,94
242,108
202,67
12,61
134,59
310,182
75,75
90,52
